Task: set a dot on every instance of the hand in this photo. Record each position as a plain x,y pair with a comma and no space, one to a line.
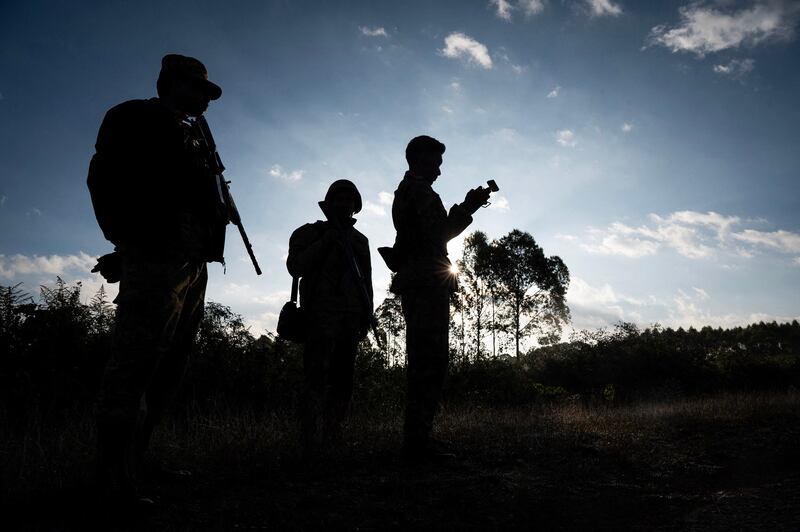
475,198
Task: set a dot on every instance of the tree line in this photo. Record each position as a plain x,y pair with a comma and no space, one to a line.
511,302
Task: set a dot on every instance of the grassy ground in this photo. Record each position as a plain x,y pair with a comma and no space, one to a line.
729,462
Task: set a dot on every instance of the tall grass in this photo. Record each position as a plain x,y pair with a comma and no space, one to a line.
47,455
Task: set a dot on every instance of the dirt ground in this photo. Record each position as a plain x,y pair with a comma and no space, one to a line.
724,463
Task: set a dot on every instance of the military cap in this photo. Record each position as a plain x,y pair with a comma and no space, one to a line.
189,67
346,185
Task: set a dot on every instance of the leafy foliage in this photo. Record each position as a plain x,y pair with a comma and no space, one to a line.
52,355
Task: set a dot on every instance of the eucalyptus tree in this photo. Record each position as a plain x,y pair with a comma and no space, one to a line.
392,324
474,270
530,287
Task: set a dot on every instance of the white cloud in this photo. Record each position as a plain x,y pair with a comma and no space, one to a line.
624,245
518,69
796,261
291,176
600,8
720,223
385,198
18,265
3,199
447,110
456,86
500,203
782,241
736,68
706,29
627,127
603,306
694,235
458,45
532,7
33,211
373,32
554,93
566,138
373,209
263,323
503,8
38,270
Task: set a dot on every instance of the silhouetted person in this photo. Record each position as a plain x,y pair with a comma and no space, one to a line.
154,200
424,282
335,310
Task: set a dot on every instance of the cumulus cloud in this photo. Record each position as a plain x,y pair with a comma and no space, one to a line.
627,127
33,211
601,8
532,7
373,209
500,203
17,266
502,8
278,172
456,86
373,32
566,137
736,68
385,198
447,110
35,270
460,46
554,93
782,241
595,306
706,28
694,235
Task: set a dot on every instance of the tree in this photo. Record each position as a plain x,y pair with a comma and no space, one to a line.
474,269
391,322
531,286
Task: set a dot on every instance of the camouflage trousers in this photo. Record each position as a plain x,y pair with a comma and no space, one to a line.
427,315
159,309
328,363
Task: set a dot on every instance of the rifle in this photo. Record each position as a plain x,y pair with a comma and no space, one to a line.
356,271
214,162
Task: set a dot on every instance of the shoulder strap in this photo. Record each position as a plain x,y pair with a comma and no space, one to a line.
294,289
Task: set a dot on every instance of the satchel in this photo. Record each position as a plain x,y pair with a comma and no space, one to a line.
292,320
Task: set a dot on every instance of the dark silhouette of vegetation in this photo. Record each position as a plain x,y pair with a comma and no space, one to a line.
520,422
52,353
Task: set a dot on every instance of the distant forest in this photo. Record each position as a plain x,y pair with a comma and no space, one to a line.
52,353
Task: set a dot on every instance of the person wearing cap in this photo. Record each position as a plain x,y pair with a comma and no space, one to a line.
424,281
336,314
151,198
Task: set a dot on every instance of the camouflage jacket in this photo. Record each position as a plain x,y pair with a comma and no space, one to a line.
149,188
424,228
327,283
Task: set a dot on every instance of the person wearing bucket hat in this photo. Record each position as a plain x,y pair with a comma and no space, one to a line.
336,315
151,194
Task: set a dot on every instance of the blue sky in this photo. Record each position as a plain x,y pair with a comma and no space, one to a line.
653,146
